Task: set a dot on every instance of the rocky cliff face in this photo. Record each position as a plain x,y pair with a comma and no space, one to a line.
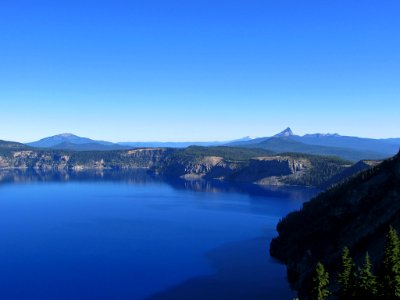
63,160
198,167
261,169
274,170
232,164
26,159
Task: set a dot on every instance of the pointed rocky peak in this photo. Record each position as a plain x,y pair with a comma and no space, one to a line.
286,133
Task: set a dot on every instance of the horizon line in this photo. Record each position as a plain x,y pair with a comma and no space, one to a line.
205,140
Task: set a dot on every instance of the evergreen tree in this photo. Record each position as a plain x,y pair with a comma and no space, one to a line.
346,278
366,283
320,283
390,272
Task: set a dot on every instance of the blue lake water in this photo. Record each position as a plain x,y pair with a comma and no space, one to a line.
130,236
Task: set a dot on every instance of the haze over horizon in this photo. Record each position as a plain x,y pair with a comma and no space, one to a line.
280,133
198,71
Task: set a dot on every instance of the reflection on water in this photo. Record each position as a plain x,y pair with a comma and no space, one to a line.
143,176
135,176
128,234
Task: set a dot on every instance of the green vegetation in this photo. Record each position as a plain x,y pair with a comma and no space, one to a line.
323,168
7,147
390,274
366,285
346,279
320,283
240,164
356,213
229,153
362,284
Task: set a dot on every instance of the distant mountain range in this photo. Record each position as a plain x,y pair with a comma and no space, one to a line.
68,141
347,147
386,146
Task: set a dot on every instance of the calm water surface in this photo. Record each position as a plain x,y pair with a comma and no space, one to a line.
125,235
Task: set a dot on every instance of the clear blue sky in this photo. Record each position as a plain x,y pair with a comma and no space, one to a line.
198,70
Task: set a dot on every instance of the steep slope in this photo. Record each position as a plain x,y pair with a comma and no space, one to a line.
358,167
285,133
356,213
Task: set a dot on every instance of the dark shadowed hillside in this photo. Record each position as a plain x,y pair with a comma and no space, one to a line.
356,213
358,167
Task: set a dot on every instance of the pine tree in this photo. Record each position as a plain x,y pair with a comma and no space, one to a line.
346,278
390,273
320,283
366,283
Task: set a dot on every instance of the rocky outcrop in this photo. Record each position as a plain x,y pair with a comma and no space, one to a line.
222,163
198,167
63,160
274,170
